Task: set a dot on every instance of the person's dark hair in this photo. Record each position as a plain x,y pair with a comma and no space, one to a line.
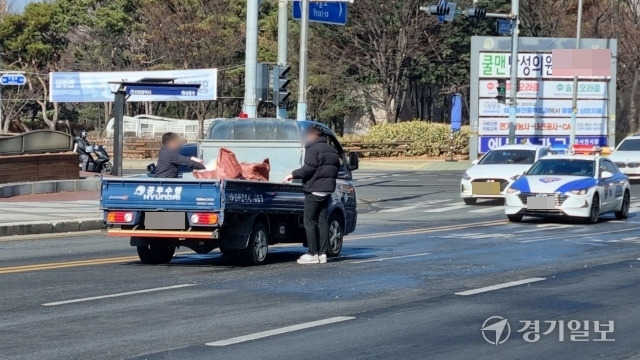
168,137
315,128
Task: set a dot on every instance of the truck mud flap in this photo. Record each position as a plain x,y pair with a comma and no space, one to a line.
237,230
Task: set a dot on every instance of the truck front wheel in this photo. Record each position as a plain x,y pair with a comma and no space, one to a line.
160,253
258,247
336,234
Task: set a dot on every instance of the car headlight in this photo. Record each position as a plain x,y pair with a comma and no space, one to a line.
466,176
579,192
511,190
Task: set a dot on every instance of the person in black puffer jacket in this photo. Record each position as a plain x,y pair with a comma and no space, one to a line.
318,174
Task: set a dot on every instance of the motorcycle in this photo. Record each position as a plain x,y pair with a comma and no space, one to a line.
101,163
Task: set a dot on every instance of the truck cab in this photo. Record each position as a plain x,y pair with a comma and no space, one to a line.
241,218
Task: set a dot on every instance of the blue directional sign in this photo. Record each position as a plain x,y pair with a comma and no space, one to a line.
13,79
171,90
443,3
332,13
504,27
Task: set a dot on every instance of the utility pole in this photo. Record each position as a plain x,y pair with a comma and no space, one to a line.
251,61
283,29
304,61
515,29
574,113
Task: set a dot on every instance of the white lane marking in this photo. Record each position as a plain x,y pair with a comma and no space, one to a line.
55,303
488,209
280,331
556,227
446,208
499,286
634,210
389,258
565,237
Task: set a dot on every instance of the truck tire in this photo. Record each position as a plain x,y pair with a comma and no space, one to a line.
336,235
256,251
160,253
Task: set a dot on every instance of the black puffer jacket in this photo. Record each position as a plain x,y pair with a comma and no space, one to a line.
320,169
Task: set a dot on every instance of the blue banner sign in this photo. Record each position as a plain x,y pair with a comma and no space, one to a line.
186,90
487,143
332,13
80,87
456,112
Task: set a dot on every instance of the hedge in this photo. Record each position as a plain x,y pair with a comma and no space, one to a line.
425,138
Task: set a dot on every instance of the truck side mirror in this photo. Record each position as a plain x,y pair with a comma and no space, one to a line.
353,161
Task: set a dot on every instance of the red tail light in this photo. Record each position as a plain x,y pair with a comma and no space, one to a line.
120,217
204,218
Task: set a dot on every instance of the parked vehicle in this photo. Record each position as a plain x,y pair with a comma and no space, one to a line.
627,156
240,217
500,167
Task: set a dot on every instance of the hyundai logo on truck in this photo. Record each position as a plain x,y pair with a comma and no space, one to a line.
159,193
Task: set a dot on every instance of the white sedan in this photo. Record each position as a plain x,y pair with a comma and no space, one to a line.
490,176
583,186
627,156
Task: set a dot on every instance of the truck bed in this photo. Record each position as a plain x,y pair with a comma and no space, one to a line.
154,194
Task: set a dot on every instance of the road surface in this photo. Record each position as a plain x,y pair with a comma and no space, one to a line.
418,280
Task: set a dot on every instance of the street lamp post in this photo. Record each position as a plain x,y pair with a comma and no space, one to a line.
574,113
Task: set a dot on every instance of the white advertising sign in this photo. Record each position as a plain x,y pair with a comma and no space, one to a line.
538,89
543,126
530,66
544,108
94,86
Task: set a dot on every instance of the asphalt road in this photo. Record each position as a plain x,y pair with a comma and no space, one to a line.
417,281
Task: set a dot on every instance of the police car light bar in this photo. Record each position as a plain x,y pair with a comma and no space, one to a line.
586,149
558,149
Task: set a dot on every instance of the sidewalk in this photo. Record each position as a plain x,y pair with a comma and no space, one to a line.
50,213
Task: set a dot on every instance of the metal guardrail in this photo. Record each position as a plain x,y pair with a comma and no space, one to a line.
35,142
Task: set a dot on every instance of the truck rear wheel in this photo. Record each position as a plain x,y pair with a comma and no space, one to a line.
160,253
256,251
336,235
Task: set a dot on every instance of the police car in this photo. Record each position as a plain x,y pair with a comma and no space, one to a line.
581,186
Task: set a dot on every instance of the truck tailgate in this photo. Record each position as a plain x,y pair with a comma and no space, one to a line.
159,194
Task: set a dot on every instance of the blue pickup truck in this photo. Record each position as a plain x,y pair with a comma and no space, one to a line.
241,218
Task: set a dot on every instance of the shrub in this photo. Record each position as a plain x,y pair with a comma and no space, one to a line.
424,138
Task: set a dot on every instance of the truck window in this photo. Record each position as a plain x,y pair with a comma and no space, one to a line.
255,129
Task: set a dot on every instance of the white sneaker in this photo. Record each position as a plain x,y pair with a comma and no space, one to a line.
308,259
322,258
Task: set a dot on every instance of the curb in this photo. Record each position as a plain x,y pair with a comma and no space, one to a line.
48,187
50,227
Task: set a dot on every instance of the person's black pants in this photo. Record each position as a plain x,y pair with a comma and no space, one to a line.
315,223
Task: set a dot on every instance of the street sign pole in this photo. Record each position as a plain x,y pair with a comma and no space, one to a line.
304,58
574,113
515,5
283,28
251,59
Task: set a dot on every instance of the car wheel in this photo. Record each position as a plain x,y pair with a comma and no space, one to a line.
514,218
624,208
160,253
336,235
470,201
594,214
256,251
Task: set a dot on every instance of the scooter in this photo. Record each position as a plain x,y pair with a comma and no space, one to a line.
101,163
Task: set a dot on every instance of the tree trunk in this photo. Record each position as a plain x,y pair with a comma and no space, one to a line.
633,113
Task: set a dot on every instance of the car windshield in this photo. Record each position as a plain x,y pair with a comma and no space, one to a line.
495,157
630,145
571,167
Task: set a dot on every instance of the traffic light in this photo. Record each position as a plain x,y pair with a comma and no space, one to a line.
439,10
502,91
477,13
280,82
